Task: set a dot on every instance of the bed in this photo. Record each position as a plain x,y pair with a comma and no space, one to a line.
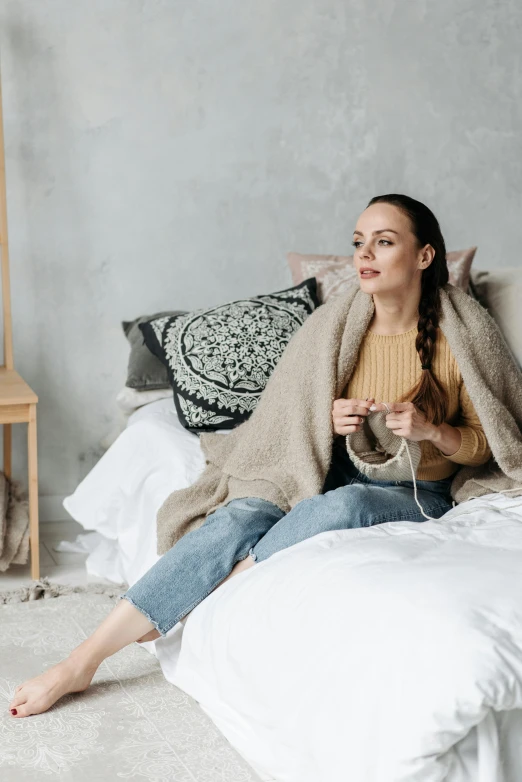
383,654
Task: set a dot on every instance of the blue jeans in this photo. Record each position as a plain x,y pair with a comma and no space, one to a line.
204,557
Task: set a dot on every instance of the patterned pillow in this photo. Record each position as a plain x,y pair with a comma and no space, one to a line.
219,359
336,273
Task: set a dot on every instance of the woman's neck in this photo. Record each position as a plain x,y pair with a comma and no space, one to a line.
390,330
392,317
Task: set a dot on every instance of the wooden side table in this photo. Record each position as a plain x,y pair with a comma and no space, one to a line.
17,406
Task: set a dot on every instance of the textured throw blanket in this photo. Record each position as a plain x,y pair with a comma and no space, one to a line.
14,524
282,453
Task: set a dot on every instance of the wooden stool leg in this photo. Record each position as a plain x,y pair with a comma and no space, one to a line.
7,450
33,494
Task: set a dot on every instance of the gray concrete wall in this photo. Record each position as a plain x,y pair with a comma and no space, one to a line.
168,154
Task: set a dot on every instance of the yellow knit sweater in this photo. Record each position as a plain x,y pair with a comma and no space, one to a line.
388,366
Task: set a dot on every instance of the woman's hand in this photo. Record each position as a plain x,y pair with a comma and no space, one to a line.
348,414
407,421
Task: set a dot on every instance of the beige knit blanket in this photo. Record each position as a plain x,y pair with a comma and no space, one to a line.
14,524
282,453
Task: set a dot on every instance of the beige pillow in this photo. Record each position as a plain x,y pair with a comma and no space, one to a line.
335,273
500,292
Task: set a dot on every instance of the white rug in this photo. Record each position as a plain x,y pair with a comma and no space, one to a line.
130,724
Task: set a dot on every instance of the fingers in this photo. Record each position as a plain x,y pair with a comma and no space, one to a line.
393,413
348,414
352,406
400,407
349,429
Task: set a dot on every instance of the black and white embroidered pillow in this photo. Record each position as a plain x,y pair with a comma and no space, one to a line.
219,359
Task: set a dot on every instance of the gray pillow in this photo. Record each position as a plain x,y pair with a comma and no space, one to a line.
500,291
145,372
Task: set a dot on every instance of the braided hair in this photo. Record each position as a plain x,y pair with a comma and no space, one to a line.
428,395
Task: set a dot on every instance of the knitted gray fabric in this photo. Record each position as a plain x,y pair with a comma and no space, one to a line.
379,453
14,523
45,589
282,453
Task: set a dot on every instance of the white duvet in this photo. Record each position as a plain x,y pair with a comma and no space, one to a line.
388,654
365,655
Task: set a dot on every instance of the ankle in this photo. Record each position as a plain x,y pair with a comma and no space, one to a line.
85,658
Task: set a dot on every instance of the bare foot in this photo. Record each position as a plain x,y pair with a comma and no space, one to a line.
39,694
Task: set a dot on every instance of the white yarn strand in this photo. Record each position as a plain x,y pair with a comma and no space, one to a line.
415,486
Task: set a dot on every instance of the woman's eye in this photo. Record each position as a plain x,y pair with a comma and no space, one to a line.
355,244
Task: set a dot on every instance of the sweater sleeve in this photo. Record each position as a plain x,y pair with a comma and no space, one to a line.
474,448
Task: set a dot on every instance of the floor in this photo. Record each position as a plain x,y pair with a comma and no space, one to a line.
62,567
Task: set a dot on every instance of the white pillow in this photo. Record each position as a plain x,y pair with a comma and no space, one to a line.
129,399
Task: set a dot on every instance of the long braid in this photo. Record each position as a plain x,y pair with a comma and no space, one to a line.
429,395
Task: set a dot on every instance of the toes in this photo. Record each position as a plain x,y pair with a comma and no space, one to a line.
17,689
17,701
22,711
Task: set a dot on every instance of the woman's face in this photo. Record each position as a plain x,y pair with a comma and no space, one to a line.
383,241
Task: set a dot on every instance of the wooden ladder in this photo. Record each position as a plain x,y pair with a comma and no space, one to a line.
17,400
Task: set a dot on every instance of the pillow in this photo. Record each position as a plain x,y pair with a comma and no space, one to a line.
219,359
129,399
144,372
472,290
336,273
500,292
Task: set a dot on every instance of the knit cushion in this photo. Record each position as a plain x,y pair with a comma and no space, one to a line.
335,273
379,453
219,359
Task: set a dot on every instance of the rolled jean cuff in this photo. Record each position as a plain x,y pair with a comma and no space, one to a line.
188,572
141,610
252,554
172,622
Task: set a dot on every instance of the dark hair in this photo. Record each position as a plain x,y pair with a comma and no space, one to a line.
428,395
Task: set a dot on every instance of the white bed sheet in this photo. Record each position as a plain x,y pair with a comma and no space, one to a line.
260,668
122,494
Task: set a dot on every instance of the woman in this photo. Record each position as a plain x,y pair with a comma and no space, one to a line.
400,240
